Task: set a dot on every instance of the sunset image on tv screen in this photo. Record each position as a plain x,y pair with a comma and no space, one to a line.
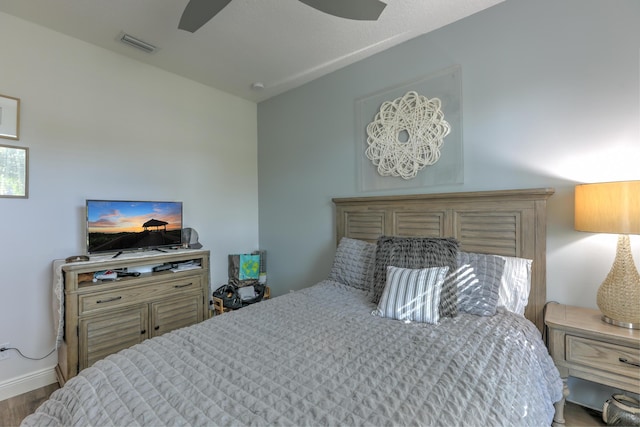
129,225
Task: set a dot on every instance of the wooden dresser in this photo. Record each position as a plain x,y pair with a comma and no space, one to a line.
583,346
103,317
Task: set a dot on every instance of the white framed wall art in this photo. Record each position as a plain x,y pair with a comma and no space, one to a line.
389,119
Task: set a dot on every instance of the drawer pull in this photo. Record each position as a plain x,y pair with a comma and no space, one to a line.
182,286
623,360
156,328
142,332
100,301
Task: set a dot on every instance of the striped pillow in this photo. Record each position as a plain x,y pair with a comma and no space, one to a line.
412,294
417,252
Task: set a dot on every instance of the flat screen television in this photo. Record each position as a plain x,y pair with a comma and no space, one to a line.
119,225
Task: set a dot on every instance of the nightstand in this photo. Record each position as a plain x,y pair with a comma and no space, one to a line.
583,346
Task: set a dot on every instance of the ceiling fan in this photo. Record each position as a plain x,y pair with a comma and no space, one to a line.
199,12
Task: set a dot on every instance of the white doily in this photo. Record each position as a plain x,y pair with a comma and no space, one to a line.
406,135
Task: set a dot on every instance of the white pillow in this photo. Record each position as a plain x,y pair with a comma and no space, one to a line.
412,294
515,284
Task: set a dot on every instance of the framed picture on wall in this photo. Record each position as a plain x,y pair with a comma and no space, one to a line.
14,171
9,117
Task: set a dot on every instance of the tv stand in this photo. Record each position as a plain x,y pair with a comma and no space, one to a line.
104,317
151,249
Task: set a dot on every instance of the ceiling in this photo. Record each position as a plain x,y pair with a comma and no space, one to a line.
280,44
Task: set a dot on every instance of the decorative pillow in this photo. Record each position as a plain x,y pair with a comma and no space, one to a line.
412,294
417,252
353,263
515,284
478,282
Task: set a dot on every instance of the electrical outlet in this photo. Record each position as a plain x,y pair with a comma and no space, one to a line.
4,355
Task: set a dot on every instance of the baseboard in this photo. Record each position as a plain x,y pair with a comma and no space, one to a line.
26,383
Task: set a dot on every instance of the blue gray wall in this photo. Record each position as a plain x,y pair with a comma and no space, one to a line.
550,98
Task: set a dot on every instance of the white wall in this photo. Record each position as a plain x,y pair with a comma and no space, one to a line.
100,125
550,95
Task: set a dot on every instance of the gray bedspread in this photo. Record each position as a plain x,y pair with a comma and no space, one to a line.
318,357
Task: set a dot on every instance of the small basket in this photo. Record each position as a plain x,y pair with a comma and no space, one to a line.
621,410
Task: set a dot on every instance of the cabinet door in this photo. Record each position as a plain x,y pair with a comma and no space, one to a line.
102,335
176,312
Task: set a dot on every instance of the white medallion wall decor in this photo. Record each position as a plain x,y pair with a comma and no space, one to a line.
444,84
406,135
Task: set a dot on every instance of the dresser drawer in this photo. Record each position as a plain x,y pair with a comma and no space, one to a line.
91,303
603,356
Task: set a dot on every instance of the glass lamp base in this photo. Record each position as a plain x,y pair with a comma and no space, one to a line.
619,323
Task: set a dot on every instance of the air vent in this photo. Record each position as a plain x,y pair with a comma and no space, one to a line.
137,43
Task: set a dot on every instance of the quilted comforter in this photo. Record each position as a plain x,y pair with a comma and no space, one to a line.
318,357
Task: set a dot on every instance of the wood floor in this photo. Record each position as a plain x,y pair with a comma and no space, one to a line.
578,416
14,410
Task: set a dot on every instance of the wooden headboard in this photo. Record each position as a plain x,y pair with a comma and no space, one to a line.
506,222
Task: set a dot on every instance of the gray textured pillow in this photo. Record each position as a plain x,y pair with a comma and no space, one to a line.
353,263
478,282
412,294
417,252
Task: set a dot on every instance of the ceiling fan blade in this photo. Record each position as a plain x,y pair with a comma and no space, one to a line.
199,12
361,10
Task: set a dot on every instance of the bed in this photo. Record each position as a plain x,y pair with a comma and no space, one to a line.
330,355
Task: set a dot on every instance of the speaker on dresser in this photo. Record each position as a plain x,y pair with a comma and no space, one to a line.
190,238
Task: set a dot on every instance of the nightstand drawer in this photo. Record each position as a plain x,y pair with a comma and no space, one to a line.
603,356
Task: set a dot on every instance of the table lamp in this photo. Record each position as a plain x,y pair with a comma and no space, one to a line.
614,207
